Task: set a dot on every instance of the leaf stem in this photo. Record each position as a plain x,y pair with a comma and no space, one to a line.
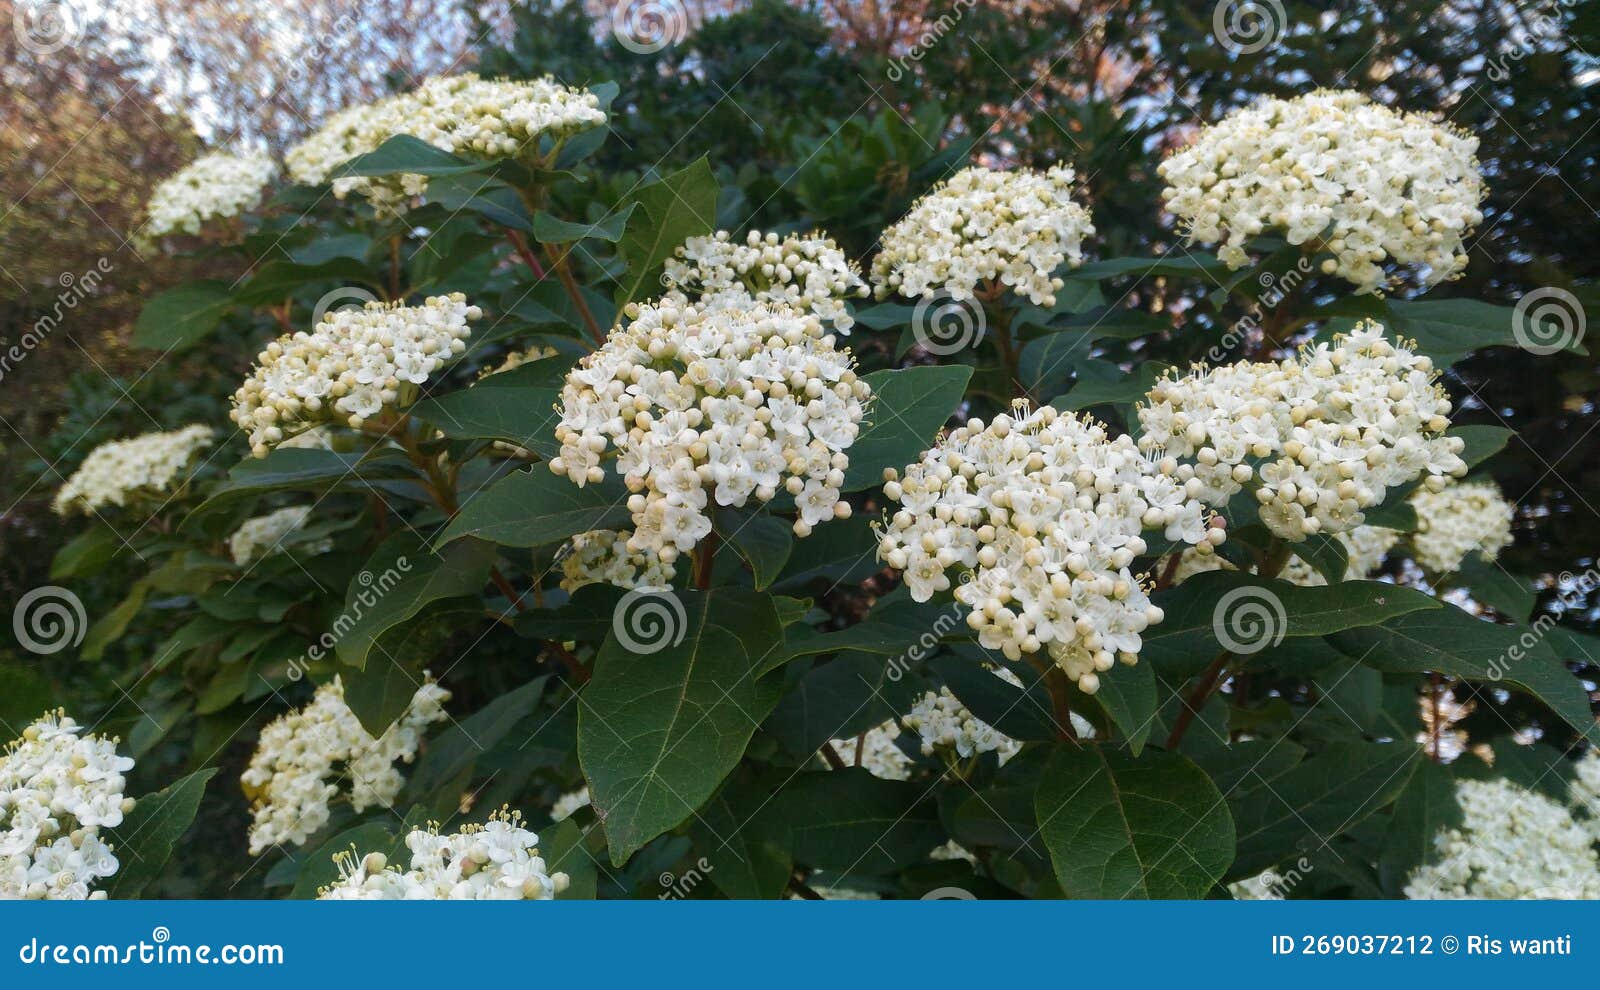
1197,698
705,558
1055,682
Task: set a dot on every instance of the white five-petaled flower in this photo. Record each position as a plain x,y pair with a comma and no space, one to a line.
58,789
496,861
807,273
1335,171
146,466
1512,844
290,778
602,556
1457,520
351,368
1042,513
464,115
1319,437
713,406
215,186
1014,228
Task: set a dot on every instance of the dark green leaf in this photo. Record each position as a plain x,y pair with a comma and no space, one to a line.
1452,642
1302,808
401,578
181,317
667,715
908,407
850,820
145,839
534,507
682,205
1119,827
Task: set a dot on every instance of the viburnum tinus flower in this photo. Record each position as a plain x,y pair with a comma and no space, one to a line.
1318,437
703,406
876,751
806,273
118,473
464,115
1042,513
1014,228
58,789
1457,520
1584,792
263,535
1512,844
945,724
496,861
602,556
1336,172
356,364
291,777
568,804
215,186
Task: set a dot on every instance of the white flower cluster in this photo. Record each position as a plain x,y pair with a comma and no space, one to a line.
807,273
288,780
352,367
602,556
880,754
496,861
1334,427
944,722
1458,520
1584,792
568,804
1042,512
1266,886
1512,844
725,405
57,790
123,471
464,114
1365,547
262,536
984,225
216,186
1335,171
